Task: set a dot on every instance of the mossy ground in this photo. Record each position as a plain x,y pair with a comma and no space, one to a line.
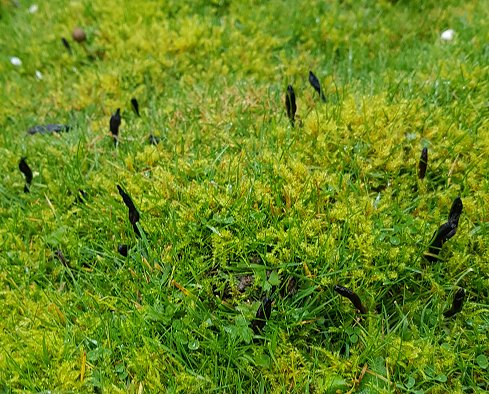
232,190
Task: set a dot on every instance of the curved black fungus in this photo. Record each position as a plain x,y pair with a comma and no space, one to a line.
82,196
153,140
455,211
59,254
445,231
26,170
122,249
135,106
115,122
290,104
48,129
314,81
262,315
352,296
458,302
133,212
66,44
423,163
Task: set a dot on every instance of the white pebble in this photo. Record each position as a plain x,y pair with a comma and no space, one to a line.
15,61
448,35
38,74
33,8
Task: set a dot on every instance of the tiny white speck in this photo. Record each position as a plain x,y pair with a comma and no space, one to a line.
33,8
411,136
448,35
15,61
377,200
38,74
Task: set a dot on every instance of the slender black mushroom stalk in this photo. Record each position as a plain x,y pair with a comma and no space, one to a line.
133,212
61,257
445,231
153,140
135,106
423,163
314,81
66,44
290,104
262,315
26,170
115,122
455,211
352,296
82,196
458,302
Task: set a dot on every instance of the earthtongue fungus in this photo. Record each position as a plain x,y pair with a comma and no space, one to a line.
66,44
352,296
82,196
290,104
135,106
49,129
423,163
115,122
314,81
153,140
122,249
262,315
458,302
133,212
445,231
26,170
61,257
455,211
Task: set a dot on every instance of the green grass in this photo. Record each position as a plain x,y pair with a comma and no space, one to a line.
233,190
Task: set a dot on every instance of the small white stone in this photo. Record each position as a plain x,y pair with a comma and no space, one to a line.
33,8
448,35
38,75
15,61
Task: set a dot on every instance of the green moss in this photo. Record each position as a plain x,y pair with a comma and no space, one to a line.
232,190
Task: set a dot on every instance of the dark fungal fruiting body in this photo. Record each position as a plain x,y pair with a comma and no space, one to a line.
114,124
122,249
26,170
445,231
458,302
314,81
82,196
455,211
290,104
262,315
48,129
61,257
442,235
133,212
135,106
66,44
352,296
423,163
153,140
